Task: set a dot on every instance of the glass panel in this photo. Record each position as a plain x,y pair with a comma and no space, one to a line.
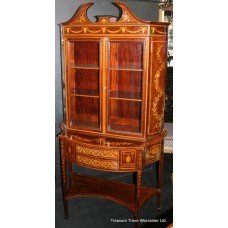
85,82
84,112
126,84
125,116
85,53
126,55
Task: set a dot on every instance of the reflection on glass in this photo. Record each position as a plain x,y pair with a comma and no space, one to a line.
127,55
125,116
126,84
85,82
84,112
85,53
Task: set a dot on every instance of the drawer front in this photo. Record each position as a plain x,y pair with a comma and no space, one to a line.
98,153
69,151
97,163
128,160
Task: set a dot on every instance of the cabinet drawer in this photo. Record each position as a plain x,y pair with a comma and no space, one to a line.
97,163
112,154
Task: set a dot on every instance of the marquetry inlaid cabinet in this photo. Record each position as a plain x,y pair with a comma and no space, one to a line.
113,87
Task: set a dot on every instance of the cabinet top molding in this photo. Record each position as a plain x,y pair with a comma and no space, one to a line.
126,16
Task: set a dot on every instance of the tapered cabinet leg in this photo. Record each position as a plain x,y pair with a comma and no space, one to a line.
138,179
65,202
64,179
138,184
70,170
160,175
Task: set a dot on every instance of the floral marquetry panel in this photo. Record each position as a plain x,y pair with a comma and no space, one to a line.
157,81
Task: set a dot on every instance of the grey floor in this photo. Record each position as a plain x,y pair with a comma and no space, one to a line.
97,213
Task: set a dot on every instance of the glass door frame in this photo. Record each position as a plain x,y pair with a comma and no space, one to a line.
67,82
144,88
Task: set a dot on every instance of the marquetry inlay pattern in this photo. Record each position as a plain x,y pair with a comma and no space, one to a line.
158,115
157,31
100,141
87,140
139,175
128,159
153,153
103,153
63,162
80,16
97,163
107,30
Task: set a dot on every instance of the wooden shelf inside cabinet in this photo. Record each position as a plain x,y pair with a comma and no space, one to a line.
125,99
87,67
123,193
88,122
113,82
124,124
84,95
126,69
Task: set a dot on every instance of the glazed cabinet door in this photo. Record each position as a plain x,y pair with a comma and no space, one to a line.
83,83
127,76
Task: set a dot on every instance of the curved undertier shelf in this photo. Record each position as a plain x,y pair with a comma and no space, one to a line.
122,193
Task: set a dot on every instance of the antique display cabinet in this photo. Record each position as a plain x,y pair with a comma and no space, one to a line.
113,86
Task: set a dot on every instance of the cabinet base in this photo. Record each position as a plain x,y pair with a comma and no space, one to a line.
122,193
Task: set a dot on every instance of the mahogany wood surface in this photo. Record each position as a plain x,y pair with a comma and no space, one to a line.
114,73
121,193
